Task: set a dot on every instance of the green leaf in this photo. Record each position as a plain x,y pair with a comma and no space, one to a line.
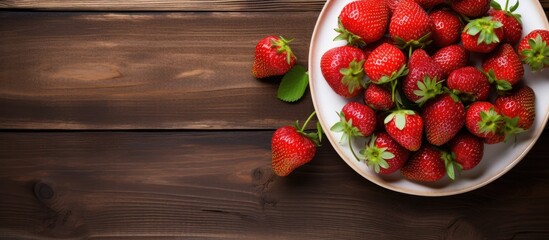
514,7
495,5
400,121
293,84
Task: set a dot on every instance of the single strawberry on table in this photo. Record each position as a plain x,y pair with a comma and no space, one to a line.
443,118
533,49
482,35
450,58
273,57
467,150
519,103
410,25
384,154
512,23
470,8
469,83
406,128
342,67
503,67
363,21
446,27
428,164
292,147
385,64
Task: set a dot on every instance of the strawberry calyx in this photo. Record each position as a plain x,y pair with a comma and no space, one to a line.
490,121
484,28
452,167
428,89
349,131
400,117
403,71
537,56
316,137
353,75
282,45
501,84
510,127
345,35
422,42
376,157
508,11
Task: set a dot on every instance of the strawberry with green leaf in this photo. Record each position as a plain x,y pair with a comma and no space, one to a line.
429,164
533,49
342,68
356,120
384,154
484,120
406,128
469,83
423,80
512,23
273,57
410,25
385,64
482,35
443,117
362,22
519,103
503,67
467,150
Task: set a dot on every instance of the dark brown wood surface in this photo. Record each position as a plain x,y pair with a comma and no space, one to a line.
140,120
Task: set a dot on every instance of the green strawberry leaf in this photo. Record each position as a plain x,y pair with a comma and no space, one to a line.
495,5
514,7
293,84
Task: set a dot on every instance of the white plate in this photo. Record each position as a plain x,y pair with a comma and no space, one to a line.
498,158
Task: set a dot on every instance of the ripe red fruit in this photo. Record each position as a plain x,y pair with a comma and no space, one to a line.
342,67
364,21
470,8
423,79
428,164
503,67
410,25
512,24
483,119
482,35
451,58
386,63
470,84
378,97
405,127
519,103
467,149
533,49
356,120
446,27
384,154
443,118
273,57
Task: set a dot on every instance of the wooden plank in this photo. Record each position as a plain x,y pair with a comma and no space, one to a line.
165,5
219,185
143,70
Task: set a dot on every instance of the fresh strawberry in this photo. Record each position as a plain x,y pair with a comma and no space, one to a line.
292,147
503,67
342,67
426,4
410,25
446,27
512,24
533,49
467,149
483,119
356,120
406,128
385,64
443,118
273,57
469,83
470,8
378,97
482,35
428,164
384,154
423,80
519,103
363,21
368,49
451,58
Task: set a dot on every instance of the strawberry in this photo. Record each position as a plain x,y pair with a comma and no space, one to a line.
362,21
483,119
451,58
385,64
384,154
469,83
422,82
467,150
368,49
533,49
342,69
406,128
519,103
470,8
291,148
273,57
443,117
482,35
378,97
428,164
503,67
356,120
410,25
512,24
446,27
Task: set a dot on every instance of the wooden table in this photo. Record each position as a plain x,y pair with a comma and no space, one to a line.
140,120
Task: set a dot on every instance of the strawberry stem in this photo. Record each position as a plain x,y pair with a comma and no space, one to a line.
307,121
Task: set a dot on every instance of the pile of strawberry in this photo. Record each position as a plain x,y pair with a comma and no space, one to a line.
413,89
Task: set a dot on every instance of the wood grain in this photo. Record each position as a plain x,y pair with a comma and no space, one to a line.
219,185
143,70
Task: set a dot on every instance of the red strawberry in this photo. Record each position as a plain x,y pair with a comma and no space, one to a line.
292,148
519,103
467,149
364,21
422,82
443,117
356,120
428,164
342,69
273,57
471,8
512,24
533,49
446,27
378,97
384,154
368,49
482,35
426,4
503,67
470,83
385,64
405,127
410,25
483,119
451,58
